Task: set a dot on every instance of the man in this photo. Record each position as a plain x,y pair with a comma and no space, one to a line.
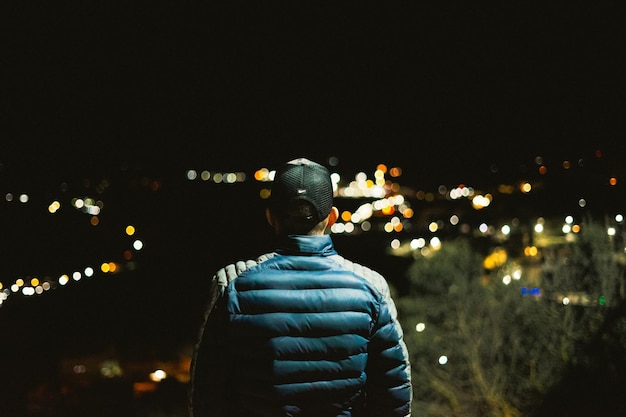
300,331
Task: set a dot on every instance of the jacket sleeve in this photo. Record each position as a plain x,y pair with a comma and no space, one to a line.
208,395
206,391
389,390
204,374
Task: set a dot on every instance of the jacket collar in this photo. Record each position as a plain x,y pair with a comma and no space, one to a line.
308,245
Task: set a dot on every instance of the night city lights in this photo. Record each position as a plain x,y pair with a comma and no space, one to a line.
29,285
384,204
519,220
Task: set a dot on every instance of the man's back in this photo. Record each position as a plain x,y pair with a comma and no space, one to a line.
303,334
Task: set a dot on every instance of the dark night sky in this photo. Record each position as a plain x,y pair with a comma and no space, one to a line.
87,87
172,84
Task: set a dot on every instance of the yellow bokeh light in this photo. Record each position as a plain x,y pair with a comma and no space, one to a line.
262,174
54,206
495,259
130,230
346,216
531,251
104,267
488,263
265,193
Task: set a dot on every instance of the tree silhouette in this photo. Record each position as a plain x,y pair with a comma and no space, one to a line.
485,344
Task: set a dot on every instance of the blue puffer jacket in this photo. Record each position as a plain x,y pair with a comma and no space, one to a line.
300,332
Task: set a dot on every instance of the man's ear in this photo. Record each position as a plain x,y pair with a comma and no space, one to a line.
333,216
268,217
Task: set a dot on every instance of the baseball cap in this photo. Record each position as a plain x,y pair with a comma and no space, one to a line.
302,179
